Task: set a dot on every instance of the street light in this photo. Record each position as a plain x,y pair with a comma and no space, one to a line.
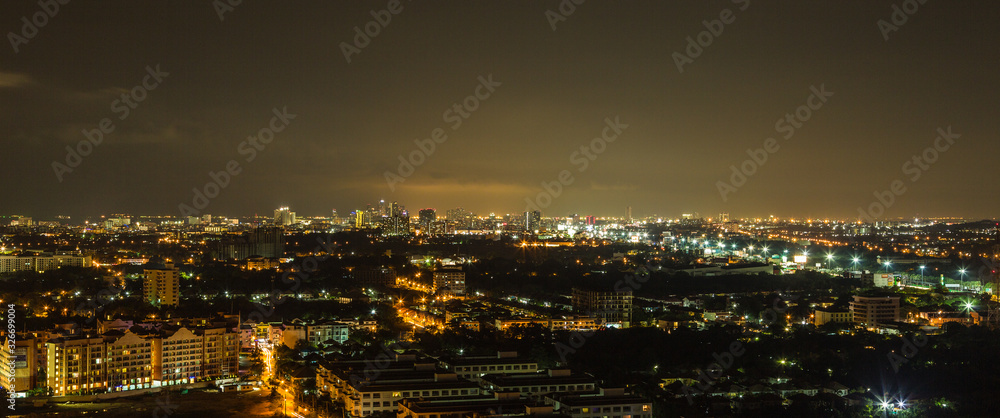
922,274
962,277
829,260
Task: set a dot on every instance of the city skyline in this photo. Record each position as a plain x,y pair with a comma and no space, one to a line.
320,114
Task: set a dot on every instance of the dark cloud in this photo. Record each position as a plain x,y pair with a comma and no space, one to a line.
606,59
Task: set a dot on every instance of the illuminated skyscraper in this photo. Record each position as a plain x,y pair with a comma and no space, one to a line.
284,216
532,221
161,287
427,217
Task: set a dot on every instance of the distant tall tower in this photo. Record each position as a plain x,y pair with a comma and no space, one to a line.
427,217
395,209
723,217
284,216
334,218
532,221
628,214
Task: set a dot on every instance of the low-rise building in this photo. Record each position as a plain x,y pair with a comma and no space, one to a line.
824,316
603,403
499,405
538,384
474,367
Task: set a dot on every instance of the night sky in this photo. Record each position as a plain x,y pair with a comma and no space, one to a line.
606,59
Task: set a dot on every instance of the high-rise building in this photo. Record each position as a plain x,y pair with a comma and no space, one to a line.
532,221
426,218
628,214
77,364
177,357
161,287
130,359
449,281
284,216
395,225
220,351
266,242
459,217
612,307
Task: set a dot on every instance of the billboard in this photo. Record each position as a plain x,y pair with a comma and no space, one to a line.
885,280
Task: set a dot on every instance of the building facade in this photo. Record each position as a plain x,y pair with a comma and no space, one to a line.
875,310
612,308
161,287
449,281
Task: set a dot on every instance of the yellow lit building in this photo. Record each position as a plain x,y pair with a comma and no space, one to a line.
162,286
76,365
